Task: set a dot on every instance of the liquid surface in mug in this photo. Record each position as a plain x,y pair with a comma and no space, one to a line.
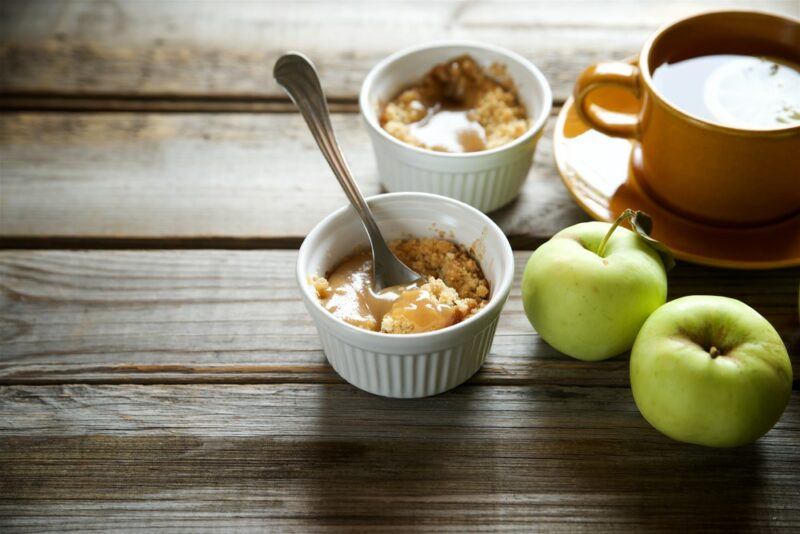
740,91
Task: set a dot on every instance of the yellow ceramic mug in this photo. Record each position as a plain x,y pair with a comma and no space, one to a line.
703,170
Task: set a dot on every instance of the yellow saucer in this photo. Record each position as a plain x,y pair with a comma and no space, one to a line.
597,172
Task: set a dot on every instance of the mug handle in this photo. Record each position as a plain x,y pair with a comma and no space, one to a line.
616,73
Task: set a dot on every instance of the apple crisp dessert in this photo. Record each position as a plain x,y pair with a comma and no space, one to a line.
457,107
455,289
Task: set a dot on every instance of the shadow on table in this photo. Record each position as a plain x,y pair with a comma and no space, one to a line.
396,462
491,455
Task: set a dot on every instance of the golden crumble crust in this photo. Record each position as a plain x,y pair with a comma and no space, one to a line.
446,260
321,286
491,98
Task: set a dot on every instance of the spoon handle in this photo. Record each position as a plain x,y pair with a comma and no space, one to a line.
297,75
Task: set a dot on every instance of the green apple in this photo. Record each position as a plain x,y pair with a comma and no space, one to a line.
590,288
711,371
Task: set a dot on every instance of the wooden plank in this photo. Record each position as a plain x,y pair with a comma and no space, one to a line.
226,50
306,456
236,316
167,176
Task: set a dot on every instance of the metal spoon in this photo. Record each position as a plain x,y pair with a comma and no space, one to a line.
299,78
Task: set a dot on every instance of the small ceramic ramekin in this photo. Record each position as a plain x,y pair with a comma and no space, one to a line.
486,180
411,365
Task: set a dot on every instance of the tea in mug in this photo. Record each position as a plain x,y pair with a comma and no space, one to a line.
740,91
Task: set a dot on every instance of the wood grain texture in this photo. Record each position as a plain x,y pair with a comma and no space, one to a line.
242,176
314,457
236,316
227,49
188,390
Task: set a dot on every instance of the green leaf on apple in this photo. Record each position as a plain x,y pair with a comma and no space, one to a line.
642,224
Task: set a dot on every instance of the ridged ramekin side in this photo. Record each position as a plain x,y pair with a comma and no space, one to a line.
407,375
486,189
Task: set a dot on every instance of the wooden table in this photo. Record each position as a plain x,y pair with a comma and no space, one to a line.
157,366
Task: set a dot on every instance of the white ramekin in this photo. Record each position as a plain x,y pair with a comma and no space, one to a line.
414,365
486,180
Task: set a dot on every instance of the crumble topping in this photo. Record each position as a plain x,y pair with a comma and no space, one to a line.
455,289
492,114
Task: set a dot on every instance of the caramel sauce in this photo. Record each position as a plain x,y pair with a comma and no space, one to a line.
420,308
352,299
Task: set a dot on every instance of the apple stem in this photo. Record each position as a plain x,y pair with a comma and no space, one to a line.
713,351
624,216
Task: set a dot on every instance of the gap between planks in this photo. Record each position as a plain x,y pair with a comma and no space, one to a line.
260,379
86,103
518,242
160,103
